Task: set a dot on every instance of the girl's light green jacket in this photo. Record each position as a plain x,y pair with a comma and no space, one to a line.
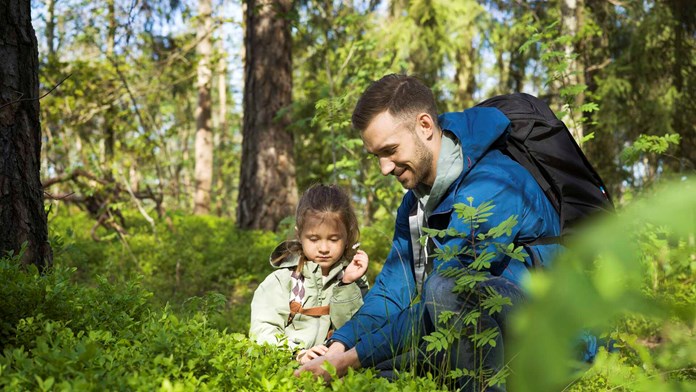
270,306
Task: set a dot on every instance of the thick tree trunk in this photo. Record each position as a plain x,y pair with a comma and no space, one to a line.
22,215
203,170
267,189
606,146
684,27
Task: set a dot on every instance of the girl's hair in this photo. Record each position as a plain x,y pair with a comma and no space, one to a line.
322,199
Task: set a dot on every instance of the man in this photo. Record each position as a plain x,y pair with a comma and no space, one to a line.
441,161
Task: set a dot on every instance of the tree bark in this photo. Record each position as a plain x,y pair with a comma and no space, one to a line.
22,215
267,189
51,27
221,201
203,171
111,112
684,27
465,76
571,15
606,146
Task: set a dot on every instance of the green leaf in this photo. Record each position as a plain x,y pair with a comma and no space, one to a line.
485,338
504,228
494,302
445,316
472,317
589,107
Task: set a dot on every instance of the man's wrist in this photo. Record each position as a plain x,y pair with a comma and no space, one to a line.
335,347
350,359
330,342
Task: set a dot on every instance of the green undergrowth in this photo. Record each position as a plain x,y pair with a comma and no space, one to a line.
186,262
61,335
168,309
630,280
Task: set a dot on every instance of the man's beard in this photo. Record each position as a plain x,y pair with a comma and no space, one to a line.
423,162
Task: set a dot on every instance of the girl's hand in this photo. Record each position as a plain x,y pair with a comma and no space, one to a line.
317,351
357,267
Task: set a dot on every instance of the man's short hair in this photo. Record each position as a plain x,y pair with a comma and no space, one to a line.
400,95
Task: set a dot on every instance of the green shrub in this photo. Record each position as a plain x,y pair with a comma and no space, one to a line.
631,279
163,315
28,295
191,256
62,335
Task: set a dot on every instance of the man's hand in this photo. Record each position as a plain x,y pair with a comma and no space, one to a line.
317,351
341,361
357,267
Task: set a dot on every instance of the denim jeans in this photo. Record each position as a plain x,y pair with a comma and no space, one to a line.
461,354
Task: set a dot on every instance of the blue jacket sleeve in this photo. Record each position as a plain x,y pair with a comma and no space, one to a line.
390,340
392,292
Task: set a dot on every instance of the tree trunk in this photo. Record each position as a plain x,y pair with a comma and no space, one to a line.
571,15
684,26
51,27
503,68
221,201
518,63
111,112
267,189
22,215
465,76
203,171
606,146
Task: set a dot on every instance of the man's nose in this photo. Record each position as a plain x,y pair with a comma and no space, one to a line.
386,165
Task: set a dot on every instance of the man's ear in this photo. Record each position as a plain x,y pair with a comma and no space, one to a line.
426,125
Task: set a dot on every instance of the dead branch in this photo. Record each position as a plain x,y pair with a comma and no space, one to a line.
98,201
595,67
72,176
35,98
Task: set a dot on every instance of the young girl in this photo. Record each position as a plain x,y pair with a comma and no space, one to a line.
319,282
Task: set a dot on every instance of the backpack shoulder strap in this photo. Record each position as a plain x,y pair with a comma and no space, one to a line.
542,144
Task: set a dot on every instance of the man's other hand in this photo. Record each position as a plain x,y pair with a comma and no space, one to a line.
339,360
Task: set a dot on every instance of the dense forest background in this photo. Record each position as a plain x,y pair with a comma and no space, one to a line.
175,137
154,105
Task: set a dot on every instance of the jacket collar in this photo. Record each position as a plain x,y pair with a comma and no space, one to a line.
292,260
335,271
477,130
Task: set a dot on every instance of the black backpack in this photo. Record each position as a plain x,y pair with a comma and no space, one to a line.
542,144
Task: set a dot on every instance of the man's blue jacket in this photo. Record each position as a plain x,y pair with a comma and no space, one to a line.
389,317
